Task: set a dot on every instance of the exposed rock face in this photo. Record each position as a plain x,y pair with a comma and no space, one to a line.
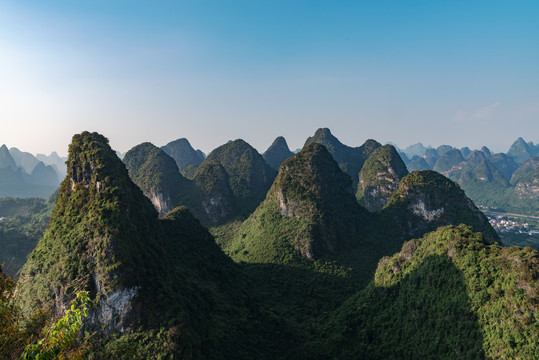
158,177
379,177
233,180
277,153
99,214
183,153
423,208
114,310
218,202
529,189
313,190
426,200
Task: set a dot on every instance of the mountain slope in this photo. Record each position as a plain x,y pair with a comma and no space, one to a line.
350,159
144,275
183,153
426,200
248,177
481,297
448,160
158,176
23,159
520,151
526,179
277,153
6,160
312,198
505,164
418,163
431,156
379,177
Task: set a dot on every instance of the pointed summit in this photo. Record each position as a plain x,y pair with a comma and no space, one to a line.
99,226
350,159
379,177
277,153
478,170
143,275
6,160
520,151
23,159
486,151
183,153
44,175
312,201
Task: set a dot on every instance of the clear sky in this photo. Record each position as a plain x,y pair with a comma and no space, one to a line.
464,73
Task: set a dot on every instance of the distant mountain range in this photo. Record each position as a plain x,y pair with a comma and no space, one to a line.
486,177
341,253
24,175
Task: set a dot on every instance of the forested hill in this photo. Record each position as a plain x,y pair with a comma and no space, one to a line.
298,269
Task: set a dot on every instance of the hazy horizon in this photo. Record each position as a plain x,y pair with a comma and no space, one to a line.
458,73
293,148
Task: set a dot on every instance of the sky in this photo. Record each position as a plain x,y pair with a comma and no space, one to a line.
464,73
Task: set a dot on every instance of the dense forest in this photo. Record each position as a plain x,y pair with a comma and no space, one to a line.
334,252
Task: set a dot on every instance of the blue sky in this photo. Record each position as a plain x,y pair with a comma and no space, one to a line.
463,73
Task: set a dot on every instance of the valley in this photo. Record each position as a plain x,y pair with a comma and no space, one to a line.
302,260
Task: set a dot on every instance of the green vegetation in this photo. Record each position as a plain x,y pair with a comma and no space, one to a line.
448,295
183,153
379,177
309,274
448,160
234,179
23,223
61,340
426,200
350,159
521,151
277,153
158,177
417,164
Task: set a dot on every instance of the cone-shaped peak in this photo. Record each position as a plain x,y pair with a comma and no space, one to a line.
476,156
277,153
315,194
379,177
426,200
6,160
183,153
96,236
